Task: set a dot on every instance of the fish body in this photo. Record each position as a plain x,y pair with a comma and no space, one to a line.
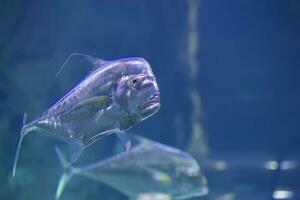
149,167
114,97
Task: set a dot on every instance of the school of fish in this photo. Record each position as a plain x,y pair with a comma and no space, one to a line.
115,96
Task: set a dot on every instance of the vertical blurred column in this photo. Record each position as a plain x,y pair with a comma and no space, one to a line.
196,144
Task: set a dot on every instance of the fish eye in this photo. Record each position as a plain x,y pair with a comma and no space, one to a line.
134,83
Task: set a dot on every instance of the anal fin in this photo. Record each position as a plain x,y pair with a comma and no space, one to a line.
125,140
75,151
105,133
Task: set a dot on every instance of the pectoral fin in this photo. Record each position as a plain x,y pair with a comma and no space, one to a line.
158,175
97,101
92,105
105,115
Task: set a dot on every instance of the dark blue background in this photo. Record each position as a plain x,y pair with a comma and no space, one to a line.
248,82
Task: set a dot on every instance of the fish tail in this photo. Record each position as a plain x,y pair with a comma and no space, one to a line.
23,132
68,172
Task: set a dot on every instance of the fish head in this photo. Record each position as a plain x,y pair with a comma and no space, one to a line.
137,95
190,182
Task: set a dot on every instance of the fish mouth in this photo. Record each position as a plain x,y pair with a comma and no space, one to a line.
151,106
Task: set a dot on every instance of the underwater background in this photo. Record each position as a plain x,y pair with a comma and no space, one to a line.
228,73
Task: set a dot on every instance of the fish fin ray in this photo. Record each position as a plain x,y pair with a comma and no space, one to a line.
89,107
125,140
23,132
75,151
97,101
22,135
96,62
103,134
101,116
68,172
25,116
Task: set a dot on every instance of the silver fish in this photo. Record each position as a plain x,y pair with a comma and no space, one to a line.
114,97
149,167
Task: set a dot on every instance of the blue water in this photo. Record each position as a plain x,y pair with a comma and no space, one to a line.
228,73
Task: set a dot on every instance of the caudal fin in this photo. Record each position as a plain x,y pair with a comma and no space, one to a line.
23,132
69,171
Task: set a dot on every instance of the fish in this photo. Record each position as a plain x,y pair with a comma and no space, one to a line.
149,167
115,96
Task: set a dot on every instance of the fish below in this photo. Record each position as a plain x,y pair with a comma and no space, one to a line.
149,167
115,96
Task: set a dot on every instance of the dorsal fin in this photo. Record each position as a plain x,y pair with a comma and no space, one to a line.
95,62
